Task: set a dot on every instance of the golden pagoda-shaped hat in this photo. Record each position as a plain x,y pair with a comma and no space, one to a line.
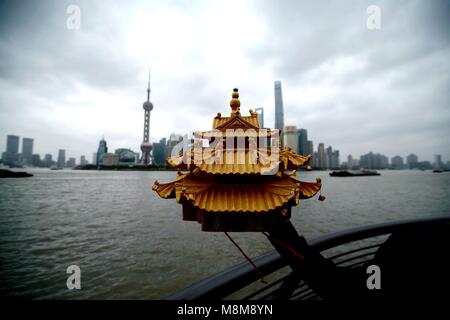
241,180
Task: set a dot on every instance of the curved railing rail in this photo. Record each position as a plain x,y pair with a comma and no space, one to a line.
227,282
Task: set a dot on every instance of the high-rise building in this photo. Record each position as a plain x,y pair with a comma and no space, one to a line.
374,161
159,155
12,144
11,156
94,158
48,161
438,162
424,165
61,158
329,157
146,146
290,138
71,163
279,110
310,147
102,149
302,142
315,160
83,161
350,162
397,163
174,145
383,161
335,161
27,150
260,112
412,161
322,161
35,160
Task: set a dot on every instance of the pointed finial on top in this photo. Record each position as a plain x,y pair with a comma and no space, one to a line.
234,102
148,86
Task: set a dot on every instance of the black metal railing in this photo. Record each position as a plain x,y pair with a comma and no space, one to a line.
237,278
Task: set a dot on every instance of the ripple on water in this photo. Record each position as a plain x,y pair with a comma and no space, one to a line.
130,244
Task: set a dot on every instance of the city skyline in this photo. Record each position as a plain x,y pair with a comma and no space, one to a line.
343,82
295,138
320,147
292,137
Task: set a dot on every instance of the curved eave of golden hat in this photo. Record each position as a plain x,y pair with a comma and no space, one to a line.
167,190
309,189
292,160
238,197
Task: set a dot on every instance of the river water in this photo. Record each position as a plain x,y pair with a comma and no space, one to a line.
130,244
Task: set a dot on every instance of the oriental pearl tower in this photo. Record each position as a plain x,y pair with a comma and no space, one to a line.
146,146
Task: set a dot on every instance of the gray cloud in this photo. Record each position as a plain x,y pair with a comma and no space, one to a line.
398,90
356,89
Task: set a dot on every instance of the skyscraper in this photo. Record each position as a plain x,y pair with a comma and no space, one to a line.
174,144
329,157
83,161
290,138
260,112
412,161
397,162
48,161
315,160
12,144
310,147
146,146
71,163
322,161
279,109
61,158
374,161
11,156
335,162
27,150
102,149
35,160
350,162
94,158
438,162
302,137
159,156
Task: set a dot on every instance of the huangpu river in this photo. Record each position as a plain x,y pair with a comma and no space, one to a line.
131,244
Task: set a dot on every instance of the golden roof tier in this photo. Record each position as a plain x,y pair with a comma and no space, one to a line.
241,180
238,161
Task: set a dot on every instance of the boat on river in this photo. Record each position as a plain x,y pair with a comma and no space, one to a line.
354,173
14,174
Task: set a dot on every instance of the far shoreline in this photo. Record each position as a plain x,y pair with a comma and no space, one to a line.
124,168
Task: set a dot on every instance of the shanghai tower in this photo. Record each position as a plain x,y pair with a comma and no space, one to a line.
279,112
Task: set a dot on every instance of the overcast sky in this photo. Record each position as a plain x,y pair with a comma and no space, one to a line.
385,90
